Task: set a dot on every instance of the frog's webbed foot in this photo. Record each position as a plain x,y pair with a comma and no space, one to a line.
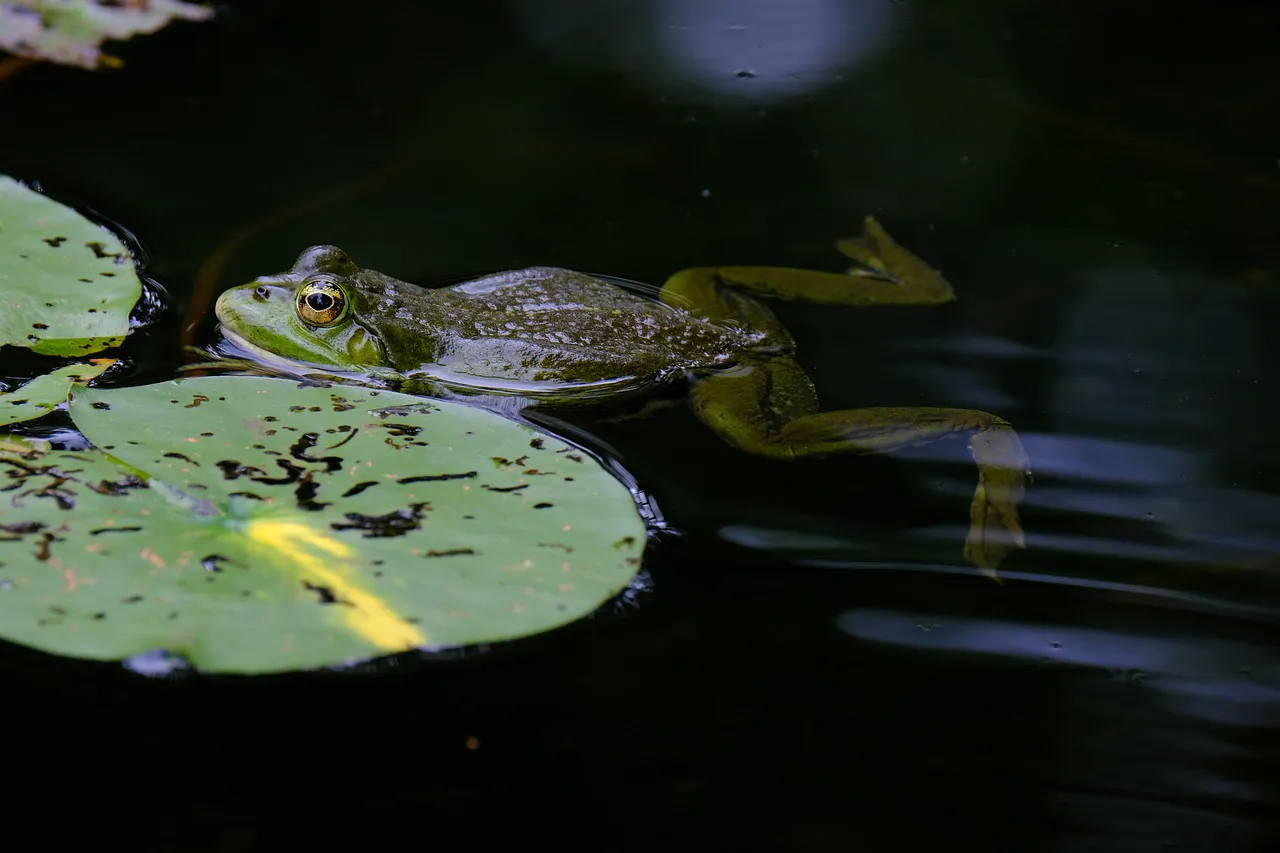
768,408
877,256
884,274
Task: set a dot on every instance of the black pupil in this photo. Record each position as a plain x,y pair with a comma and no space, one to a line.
319,301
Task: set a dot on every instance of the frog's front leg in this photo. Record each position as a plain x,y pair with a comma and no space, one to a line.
768,407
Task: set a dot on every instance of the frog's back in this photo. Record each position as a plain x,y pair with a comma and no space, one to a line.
550,329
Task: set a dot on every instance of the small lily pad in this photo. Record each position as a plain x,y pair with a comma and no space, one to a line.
43,394
70,32
250,525
67,285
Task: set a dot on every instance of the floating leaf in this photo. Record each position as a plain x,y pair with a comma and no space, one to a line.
67,285
45,393
70,31
285,527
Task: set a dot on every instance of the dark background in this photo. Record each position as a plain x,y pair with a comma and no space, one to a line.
812,666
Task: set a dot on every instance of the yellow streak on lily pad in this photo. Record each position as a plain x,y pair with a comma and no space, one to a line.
308,549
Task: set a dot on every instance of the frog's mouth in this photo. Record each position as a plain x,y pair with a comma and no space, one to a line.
258,353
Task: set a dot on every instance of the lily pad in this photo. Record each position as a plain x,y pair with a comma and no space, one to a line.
43,394
250,525
67,285
70,32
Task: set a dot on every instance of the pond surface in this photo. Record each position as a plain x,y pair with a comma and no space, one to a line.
813,666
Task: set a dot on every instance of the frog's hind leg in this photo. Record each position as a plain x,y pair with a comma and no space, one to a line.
883,273
768,407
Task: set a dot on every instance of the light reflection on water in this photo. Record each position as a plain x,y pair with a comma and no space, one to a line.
1152,728
733,51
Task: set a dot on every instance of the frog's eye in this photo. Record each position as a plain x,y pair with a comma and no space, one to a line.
321,301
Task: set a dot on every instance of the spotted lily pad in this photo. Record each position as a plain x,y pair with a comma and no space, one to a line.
250,525
67,285
43,394
70,32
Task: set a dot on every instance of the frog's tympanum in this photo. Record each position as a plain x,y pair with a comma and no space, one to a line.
554,337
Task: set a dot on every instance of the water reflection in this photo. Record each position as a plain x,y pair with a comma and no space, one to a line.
1153,729
716,50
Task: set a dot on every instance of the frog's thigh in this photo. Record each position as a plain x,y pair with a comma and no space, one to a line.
769,408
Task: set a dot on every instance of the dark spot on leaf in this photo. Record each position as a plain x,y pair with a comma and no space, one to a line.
308,441
101,406
400,430
536,443
33,339
325,593
504,488
451,552
292,474
232,470
99,616
175,455
632,561
395,523
213,562
100,251
412,620
40,326
350,436
502,461
543,505
55,242
271,419
196,401
119,487
114,530
625,542
249,495
434,478
575,457
469,517
173,615
206,434
568,479
133,599
377,562
297,408
22,528
305,494
568,549
358,488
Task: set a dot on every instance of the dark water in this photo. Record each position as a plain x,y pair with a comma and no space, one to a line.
814,668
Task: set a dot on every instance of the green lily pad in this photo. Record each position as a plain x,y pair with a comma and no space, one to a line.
250,525
43,394
70,32
67,285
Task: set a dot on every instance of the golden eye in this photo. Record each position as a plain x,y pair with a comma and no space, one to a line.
321,301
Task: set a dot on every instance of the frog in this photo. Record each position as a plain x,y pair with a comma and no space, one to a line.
552,338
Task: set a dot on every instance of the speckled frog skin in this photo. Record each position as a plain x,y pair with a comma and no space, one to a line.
556,337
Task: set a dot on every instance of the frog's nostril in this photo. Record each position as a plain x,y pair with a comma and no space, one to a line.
261,294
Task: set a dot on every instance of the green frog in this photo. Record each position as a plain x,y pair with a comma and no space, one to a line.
553,337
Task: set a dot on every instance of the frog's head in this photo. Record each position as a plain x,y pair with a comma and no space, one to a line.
315,313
